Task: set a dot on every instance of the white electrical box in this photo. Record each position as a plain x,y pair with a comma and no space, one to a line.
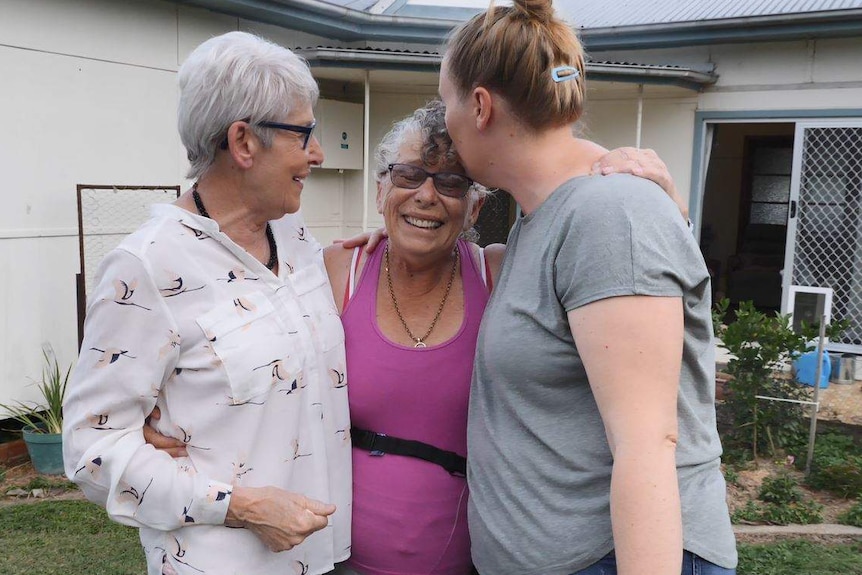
339,130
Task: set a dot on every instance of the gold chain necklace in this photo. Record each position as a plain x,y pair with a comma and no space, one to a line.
419,340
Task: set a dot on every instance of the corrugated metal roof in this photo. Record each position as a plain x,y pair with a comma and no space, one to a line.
606,24
604,14
613,13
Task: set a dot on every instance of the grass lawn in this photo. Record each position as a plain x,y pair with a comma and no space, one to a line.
800,557
66,538
76,537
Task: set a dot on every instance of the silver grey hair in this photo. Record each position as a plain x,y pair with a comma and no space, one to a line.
435,147
232,77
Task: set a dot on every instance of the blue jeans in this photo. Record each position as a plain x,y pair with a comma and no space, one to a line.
691,565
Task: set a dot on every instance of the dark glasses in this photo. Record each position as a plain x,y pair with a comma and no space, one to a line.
304,130
411,177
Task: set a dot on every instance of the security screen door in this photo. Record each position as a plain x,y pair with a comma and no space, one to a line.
824,232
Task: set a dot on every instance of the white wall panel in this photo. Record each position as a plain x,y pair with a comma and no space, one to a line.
80,121
838,60
778,99
195,26
668,127
779,63
128,31
37,299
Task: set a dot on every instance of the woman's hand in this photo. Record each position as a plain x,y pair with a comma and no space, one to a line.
368,239
280,518
644,163
170,445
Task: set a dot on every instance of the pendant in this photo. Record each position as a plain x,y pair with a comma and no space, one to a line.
419,343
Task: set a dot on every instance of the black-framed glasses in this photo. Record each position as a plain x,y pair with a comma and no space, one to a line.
411,177
304,130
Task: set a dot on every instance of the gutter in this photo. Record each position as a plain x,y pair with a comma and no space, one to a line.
339,23
430,62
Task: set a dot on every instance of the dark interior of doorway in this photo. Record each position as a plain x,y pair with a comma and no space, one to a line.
496,218
745,207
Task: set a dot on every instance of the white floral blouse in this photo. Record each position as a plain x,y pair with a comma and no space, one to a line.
247,369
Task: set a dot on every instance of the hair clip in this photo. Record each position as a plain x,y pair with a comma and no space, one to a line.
564,73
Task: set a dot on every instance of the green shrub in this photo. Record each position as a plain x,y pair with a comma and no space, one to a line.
751,513
801,513
781,489
853,516
843,478
783,503
731,475
762,344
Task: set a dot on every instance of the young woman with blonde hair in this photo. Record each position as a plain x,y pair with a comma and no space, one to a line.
591,437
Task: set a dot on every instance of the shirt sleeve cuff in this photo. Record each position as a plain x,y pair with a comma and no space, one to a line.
210,504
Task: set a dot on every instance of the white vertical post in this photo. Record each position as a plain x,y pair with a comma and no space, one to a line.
812,428
639,131
366,143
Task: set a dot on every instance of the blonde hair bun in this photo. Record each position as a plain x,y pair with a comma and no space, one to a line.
539,10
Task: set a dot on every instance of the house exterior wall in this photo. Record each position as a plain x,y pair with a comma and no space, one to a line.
89,93
806,75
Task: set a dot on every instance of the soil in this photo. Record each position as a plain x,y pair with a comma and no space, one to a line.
747,486
743,490
56,487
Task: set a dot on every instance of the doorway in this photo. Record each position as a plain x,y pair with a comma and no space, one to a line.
782,207
745,206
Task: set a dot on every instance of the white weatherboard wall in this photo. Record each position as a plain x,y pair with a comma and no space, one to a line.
89,91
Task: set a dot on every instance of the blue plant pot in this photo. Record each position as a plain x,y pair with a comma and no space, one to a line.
46,451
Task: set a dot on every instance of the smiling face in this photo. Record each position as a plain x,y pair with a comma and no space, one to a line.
286,164
422,221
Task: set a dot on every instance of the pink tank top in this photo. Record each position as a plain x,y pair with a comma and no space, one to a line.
410,516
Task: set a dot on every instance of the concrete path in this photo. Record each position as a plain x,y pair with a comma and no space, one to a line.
824,532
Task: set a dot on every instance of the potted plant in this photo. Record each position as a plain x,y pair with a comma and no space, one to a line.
43,421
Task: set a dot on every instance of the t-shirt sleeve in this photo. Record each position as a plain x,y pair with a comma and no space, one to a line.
623,236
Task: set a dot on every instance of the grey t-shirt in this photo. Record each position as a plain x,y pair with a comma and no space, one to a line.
539,465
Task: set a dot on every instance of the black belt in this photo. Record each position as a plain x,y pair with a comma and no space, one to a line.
379,443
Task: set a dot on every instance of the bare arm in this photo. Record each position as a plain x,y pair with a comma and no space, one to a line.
494,256
632,350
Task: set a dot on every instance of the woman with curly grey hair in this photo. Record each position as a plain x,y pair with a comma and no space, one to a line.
411,313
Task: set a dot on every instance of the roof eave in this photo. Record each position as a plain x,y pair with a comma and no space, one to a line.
429,62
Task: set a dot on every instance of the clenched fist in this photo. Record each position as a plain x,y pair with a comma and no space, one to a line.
280,518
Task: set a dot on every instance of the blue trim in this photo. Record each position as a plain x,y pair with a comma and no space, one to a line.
695,196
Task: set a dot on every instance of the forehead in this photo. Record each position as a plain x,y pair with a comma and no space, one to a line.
411,152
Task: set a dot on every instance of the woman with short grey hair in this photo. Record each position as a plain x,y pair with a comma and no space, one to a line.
218,311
